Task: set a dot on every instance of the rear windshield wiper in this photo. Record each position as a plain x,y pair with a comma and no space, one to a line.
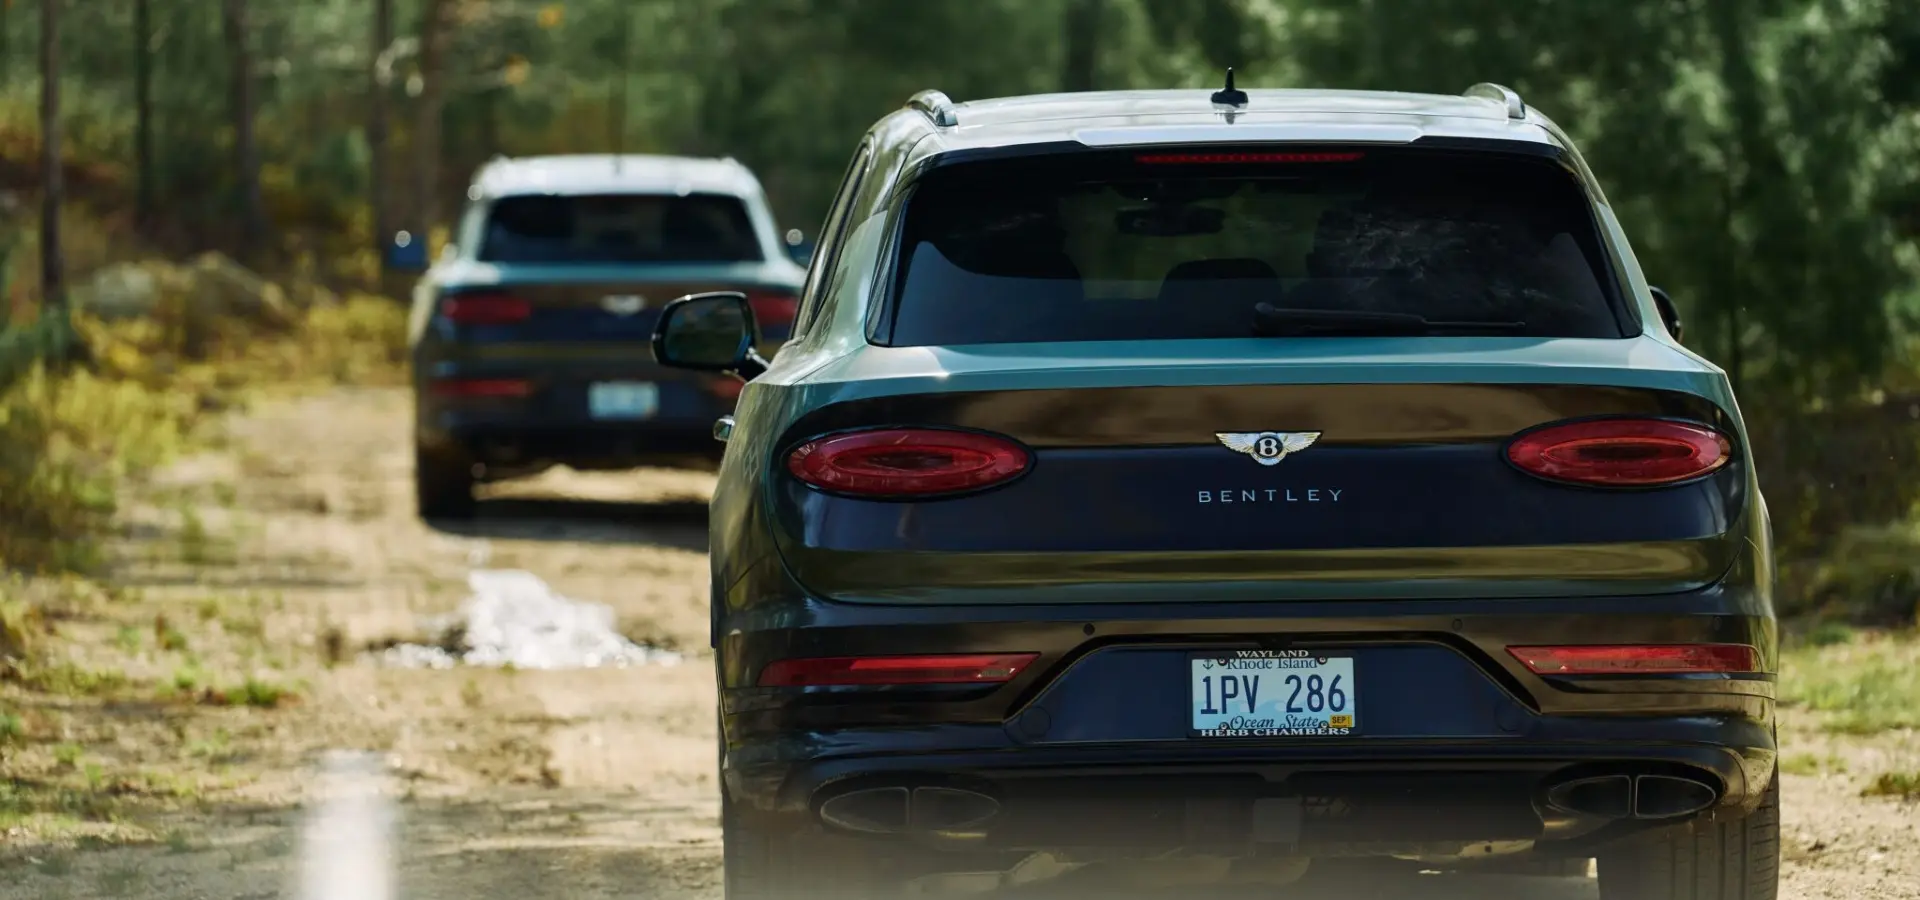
1274,321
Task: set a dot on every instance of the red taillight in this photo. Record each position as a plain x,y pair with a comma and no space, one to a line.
1621,452
485,309
1233,158
907,462
482,387
773,309
1639,659
962,668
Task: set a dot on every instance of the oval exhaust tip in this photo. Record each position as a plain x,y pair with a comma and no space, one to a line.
873,810
1670,796
1610,796
951,809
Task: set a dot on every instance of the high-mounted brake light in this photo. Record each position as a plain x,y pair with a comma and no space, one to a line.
908,462
961,668
1247,157
1621,452
482,387
485,309
772,309
1639,659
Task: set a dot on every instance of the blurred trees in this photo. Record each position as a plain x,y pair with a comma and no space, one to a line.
1765,154
52,178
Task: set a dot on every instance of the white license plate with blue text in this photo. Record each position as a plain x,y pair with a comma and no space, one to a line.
623,399
1272,693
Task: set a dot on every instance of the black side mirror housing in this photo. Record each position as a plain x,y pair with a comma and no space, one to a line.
710,332
1669,313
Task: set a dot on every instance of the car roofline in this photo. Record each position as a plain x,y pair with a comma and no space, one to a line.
1484,114
585,174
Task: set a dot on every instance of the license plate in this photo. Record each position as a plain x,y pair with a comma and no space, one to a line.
1272,693
623,399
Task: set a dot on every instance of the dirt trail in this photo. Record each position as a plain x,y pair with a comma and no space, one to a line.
525,785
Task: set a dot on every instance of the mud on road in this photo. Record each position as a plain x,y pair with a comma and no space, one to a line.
523,784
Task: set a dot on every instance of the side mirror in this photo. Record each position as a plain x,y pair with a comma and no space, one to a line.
711,332
405,253
1669,313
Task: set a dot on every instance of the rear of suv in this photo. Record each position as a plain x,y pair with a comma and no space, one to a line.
529,335
1167,482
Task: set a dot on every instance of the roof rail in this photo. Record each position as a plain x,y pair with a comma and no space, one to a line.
937,107
1516,108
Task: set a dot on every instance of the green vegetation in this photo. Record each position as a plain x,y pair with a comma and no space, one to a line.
1863,686
1901,785
1764,156
1810,764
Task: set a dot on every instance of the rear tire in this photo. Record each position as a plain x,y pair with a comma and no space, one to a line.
1706,859
441,489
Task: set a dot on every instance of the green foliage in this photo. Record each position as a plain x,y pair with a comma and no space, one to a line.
1763,154
1899,785
1863,686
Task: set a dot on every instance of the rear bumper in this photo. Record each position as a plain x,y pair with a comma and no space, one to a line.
554,425
506,444
1455,741
1322,799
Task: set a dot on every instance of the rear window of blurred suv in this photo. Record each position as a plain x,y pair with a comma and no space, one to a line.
1106,246
619,228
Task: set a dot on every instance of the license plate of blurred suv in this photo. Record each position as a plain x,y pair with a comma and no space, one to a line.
623,399
1272,693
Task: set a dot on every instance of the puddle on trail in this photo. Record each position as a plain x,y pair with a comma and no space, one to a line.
512,618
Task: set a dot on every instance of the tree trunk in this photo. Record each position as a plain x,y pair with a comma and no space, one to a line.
143,110
426,130
378,79
246,155
1082,40
53,291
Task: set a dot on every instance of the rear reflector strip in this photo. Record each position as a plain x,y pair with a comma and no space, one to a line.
1639,659
482,387
1233,158
965,668
485,309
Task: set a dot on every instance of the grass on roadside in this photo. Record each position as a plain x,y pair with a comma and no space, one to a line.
71,645
1863,684
1899,785
1811,764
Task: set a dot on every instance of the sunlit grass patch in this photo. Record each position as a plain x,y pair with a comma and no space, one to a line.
68,679
1903,785
1864,685
1812,764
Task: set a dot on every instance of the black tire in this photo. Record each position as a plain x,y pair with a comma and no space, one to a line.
1716,858
442,489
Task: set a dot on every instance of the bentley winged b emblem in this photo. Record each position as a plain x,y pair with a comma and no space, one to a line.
623,304
1268,447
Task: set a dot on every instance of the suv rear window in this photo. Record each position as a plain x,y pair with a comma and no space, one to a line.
619,228
1183,245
